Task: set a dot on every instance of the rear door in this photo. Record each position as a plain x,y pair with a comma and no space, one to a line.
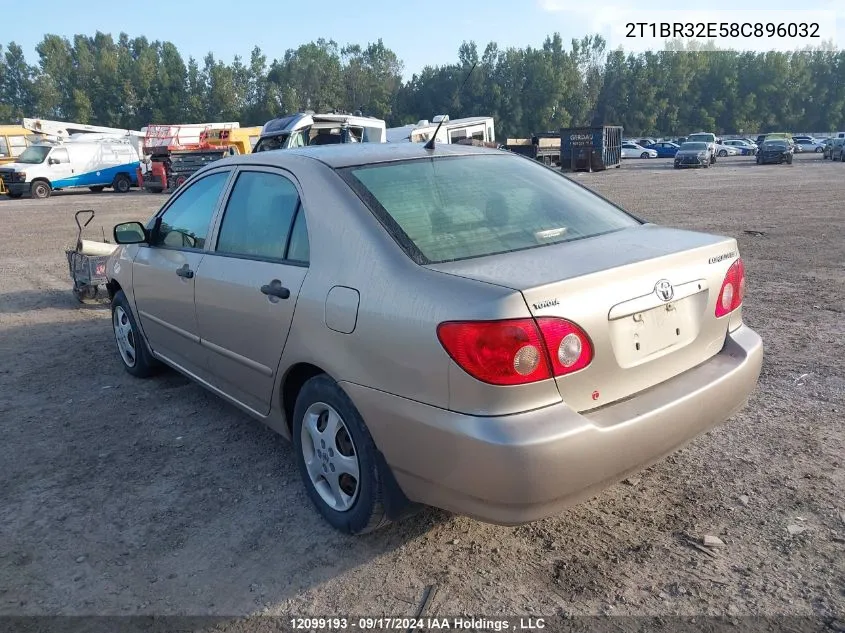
247,287
164,273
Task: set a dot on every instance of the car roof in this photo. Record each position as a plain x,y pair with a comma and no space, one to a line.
352,154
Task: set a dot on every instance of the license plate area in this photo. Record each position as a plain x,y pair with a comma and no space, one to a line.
649,334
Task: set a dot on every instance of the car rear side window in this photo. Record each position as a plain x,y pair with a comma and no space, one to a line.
185,222
258,216
449,208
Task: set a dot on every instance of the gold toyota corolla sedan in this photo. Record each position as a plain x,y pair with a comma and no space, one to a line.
459,327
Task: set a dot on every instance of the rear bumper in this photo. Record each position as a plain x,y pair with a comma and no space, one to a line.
519,468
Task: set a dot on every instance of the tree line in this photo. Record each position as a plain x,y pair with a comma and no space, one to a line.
132,82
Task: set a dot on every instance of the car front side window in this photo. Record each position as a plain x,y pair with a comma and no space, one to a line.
185,223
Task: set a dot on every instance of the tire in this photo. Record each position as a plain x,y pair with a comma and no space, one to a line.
819,150
41,189
644,155
140,363
15,195
97,189
121,183
354,509
723,153
789,160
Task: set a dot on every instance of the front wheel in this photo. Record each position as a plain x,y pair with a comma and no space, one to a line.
136,358
41,189
336,457
819,150
723,153
644,155
122,183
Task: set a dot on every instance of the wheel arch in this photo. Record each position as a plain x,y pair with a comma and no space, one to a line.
292,382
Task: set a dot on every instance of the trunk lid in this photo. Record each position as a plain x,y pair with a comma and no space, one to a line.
610,285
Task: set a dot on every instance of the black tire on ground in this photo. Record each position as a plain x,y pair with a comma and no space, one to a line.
97,189
121,183
15,195
819,150
644,155
144,364
723,153
367,512
41,189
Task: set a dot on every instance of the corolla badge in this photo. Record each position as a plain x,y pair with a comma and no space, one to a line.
664,290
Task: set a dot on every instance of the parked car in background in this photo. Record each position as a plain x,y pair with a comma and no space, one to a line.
633,150
836,149
646,142
808,144
776,151
743,147
693,154
680,140
543,343
705,137
723,150
749,141
665,149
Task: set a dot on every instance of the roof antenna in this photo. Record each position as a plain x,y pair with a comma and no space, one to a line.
430,144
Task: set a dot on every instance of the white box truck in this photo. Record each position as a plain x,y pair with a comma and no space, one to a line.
50,166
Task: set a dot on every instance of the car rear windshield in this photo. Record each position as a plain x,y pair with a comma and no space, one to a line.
456,207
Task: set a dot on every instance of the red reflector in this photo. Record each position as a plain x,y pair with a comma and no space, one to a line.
508,352
733,289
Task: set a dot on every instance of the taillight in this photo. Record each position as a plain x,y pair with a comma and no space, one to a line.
516,351
568,345
733,289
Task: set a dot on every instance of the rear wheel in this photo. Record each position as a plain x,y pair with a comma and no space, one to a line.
336,457
14,195
41,189
819,150
122,183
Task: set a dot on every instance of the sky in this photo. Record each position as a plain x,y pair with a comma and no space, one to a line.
421,33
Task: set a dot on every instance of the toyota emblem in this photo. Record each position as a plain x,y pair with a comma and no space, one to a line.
664,290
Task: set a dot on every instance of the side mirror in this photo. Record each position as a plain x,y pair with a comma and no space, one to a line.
130,233
52,161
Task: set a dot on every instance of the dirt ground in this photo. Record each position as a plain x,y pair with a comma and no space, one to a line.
123,496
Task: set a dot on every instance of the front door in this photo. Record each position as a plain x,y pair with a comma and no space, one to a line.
247,286
59,167
164,273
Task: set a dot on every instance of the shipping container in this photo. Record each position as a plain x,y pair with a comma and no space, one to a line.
590,148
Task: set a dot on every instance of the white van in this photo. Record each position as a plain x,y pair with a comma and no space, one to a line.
96,164
479,128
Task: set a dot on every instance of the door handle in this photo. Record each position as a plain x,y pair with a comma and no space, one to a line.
185,272
275,289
